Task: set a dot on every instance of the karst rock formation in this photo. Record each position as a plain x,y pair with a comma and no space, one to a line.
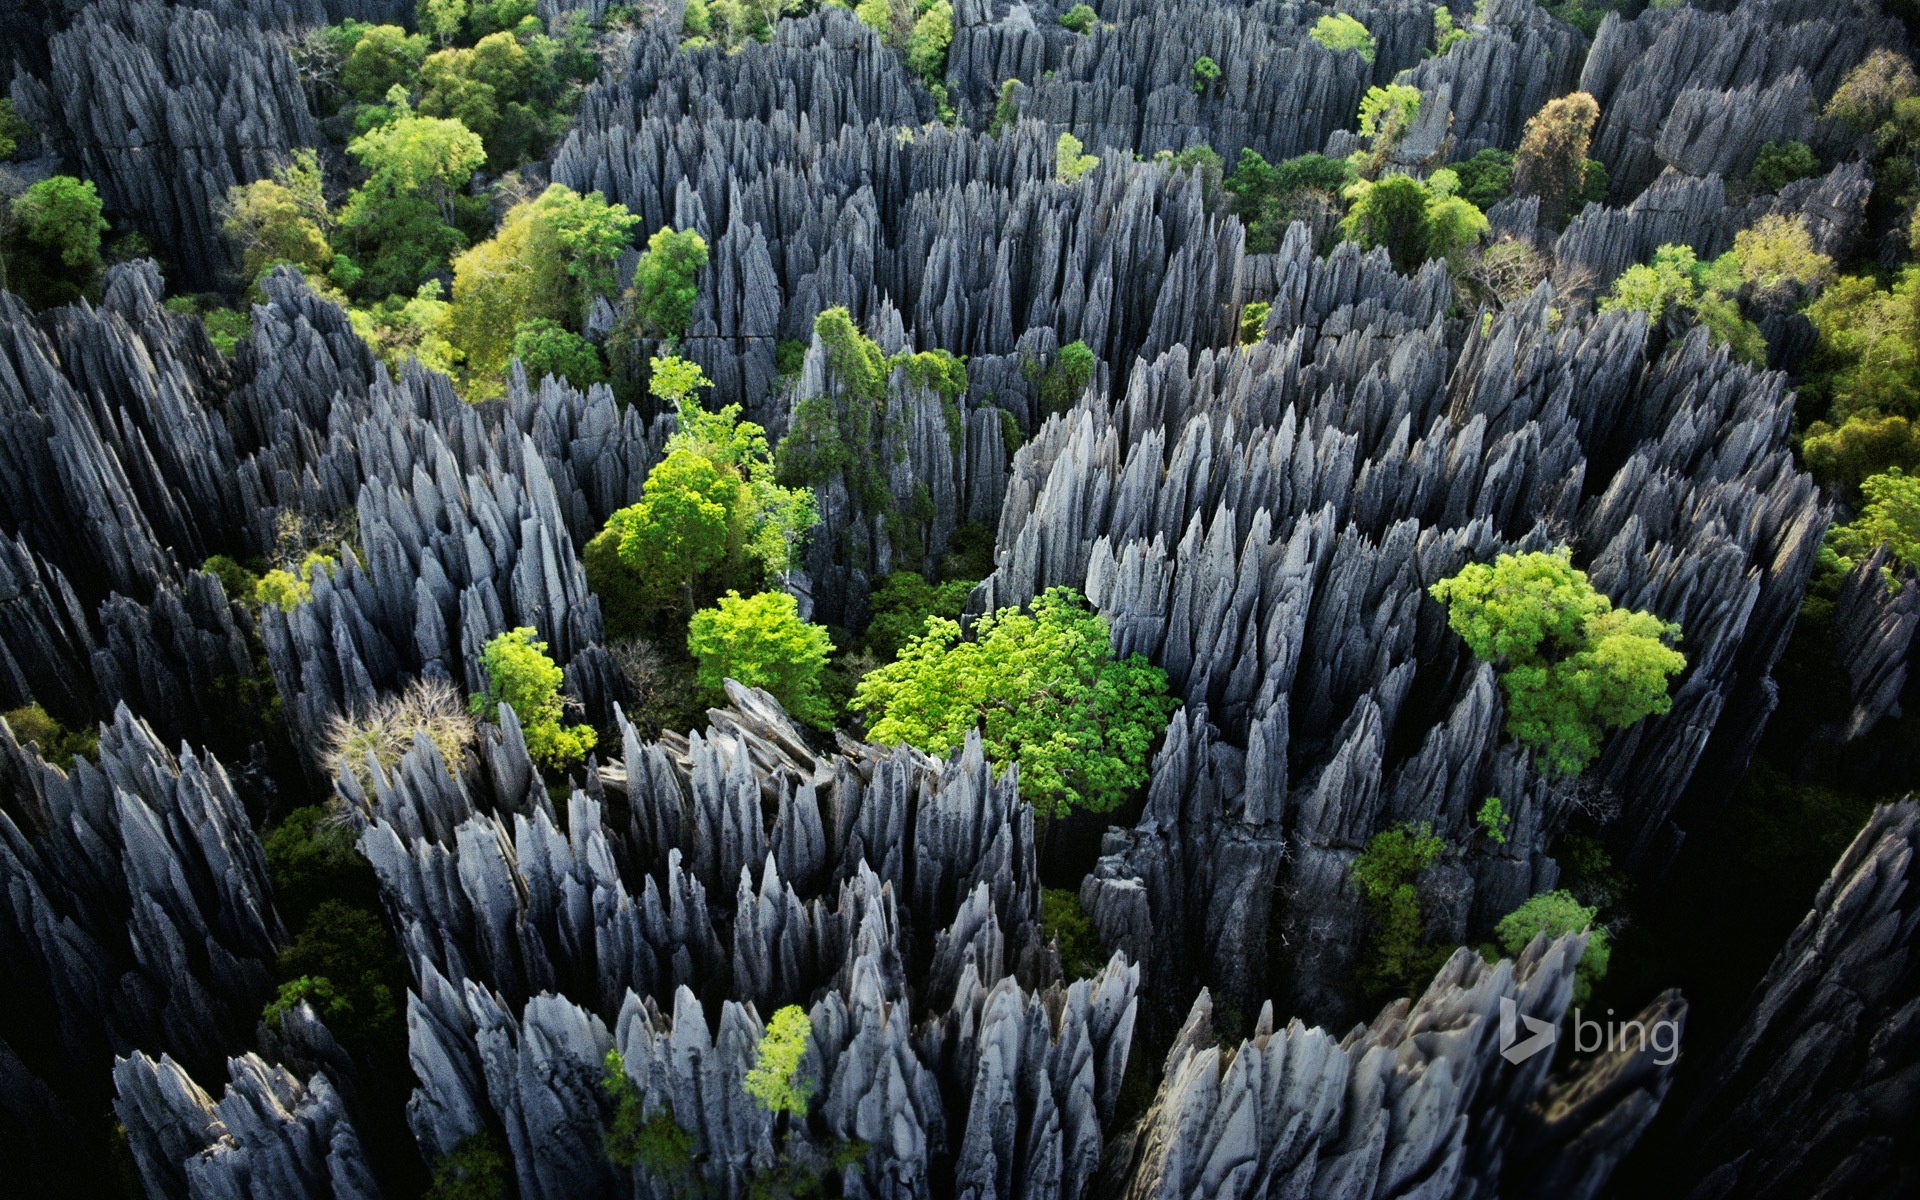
1258,512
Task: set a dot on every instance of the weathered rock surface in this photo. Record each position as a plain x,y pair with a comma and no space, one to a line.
1816,1094
1264,525
165,108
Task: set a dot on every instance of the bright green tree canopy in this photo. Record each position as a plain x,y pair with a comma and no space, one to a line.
1571,664
1555,914
62,214
521,676
1043,689
665,283
761,641
775,1082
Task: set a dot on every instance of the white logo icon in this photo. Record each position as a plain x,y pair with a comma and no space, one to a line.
1540,1033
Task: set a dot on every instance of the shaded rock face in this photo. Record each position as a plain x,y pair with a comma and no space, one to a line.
137,912
132,451
1264,525
1418,1102
164,109
1703,91
271,1134
957,240
1815,1094
1493,82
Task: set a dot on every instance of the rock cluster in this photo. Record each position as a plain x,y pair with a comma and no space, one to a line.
1703,91
1264,524
1815,1094
137,913
164,108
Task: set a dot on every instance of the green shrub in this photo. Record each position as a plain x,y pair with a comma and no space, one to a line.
1205,71
1062,383
666,281
775,1082
1080,18
1340,32
1253,321
521,676
1485,179
58,745
1064,923
1571,665
473,1170
656,1144
1384,874
1555,914
1043,690
1493,820
1069,163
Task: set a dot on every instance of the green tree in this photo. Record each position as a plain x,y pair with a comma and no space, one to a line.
1205,71
1392,213
1778,252
1863,379
57,228
289,589
430,157
1493,820
1485,179
775,1082
1555,914
1445,33
402,327
1080,18
1044,691
1066,378
1551,162
1779,164
902,604
282,219
1453,226
473,1170
1384,874
342,949
1866,98
1676,283
1339,32
520,675
1889,517
1253,321
666,281
1571,665
440,19
1269,197
1386,116
672,379
550,258
762,642
545,347
927,44
681,526
1069,164
385,57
